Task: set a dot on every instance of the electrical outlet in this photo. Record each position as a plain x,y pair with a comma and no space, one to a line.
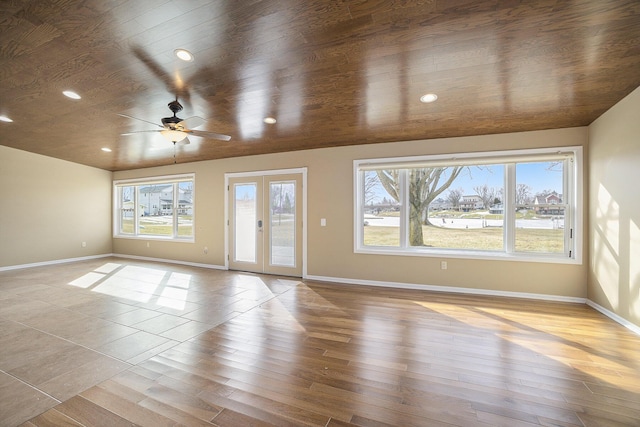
443,265
84,244
148,244
206,250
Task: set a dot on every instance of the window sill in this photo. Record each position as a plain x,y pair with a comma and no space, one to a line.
156,238
476,255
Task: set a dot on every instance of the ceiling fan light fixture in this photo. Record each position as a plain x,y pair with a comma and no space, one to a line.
5,119
429,97
173,135
184,54
71,94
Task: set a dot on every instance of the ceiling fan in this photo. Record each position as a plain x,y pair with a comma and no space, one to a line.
176,129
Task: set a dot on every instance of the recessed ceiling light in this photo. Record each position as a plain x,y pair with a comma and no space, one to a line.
5,119
429,97
184,54
269,120
106,150
71,94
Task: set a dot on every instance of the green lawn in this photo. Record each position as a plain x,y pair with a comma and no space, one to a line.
490,238
282,230
151,227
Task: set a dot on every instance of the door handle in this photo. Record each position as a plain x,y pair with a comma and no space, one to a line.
259,225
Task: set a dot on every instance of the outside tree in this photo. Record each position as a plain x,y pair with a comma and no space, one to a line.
487,194
453,196
425,184
288,206
523,194
370,183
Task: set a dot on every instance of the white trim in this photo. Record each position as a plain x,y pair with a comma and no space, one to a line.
228,175
171,261
573,189
53,262
164,179
137,183
468,254
302,170
466,158
578,204
226,221
451,289
400,285
153,237
610,314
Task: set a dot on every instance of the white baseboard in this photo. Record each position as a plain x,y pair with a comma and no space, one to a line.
451,289
401,285
67,260
172,261
610,314
53,262
632,327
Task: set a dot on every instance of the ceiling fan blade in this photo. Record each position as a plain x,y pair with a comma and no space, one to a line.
211,135
193,122
142,120
139,131
176,87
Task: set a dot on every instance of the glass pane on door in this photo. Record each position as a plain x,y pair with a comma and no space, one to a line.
245,217
282,212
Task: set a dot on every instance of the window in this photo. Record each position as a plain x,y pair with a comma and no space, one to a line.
160,208
516,204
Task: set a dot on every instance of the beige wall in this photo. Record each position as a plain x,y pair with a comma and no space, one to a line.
614,209
49,207
330,196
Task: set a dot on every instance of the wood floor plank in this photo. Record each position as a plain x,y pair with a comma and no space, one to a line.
288,399
184,402
172,412
89,413
53,418
337,423
230,418
125,408
279,415
303,353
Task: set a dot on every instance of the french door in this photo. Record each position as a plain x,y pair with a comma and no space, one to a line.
265,223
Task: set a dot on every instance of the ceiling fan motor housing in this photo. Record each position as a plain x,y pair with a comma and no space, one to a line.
175,106
171,122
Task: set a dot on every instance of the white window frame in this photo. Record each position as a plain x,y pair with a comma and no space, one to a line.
572,196
137,183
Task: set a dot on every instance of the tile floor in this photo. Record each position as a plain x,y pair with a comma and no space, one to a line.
68,327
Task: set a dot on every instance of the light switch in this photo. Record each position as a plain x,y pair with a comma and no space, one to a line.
323,222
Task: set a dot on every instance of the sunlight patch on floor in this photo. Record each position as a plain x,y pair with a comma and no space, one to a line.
138,284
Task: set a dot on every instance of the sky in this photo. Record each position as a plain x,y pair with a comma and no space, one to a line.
539,176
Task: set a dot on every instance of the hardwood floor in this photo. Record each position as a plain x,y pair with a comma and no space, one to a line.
114,342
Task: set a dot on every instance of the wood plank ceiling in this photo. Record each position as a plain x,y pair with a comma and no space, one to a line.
331,72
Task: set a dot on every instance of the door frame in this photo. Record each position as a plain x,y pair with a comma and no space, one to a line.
227,201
